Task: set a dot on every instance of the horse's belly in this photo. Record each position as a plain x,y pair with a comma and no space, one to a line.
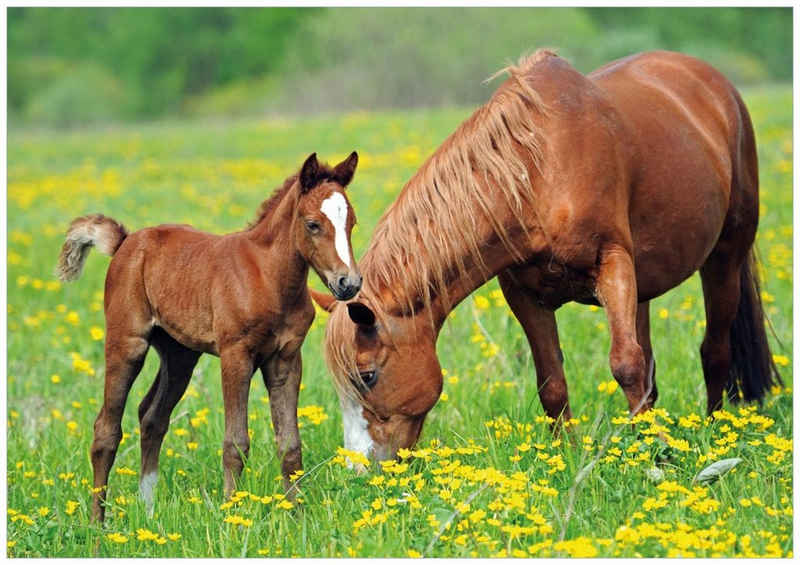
672,241
193,332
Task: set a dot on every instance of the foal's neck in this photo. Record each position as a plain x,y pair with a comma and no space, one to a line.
274,234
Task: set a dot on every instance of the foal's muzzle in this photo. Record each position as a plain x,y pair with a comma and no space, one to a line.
345,287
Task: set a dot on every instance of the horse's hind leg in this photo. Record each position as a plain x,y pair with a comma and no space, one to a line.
174,374
540,328
616,290
125,353
643,336
721,292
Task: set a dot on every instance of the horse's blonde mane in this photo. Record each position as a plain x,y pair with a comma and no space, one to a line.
480,169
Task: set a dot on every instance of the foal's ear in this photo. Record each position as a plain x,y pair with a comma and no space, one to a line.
325,300
343,172
308,173
361,314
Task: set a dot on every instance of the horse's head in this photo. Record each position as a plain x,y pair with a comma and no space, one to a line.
386,374
324,222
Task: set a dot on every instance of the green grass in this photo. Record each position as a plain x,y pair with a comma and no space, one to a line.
519,484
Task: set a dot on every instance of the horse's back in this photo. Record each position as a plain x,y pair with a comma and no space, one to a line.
692,141
167,272
167,246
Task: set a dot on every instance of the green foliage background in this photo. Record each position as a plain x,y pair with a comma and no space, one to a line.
72,66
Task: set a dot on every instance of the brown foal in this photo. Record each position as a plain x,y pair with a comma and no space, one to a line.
242,296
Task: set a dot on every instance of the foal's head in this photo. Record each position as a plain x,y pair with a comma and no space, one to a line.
323,222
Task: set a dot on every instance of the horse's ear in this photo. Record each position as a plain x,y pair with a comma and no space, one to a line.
308,173
325,300
343,172
361,314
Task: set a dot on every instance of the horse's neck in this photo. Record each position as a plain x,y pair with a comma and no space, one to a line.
278,254
476,274
464,275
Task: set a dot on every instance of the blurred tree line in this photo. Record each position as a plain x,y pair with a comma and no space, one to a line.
77,65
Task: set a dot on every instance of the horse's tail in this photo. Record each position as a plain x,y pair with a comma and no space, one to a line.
753,371
94,230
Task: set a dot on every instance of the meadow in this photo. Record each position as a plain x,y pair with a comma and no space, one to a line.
487,477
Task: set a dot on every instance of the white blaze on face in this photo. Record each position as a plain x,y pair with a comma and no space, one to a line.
356,435
335,208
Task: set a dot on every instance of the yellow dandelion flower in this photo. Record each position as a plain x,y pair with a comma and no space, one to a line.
238,521
117,538
781,360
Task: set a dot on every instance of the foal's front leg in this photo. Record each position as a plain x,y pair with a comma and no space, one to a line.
282,378
616,290
237,369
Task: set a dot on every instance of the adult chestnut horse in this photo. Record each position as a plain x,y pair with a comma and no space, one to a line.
241,296
605,189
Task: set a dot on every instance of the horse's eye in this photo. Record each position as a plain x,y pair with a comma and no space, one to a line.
313,227
369,378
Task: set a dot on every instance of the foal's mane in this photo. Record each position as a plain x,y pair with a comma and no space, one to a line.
477,172
481,168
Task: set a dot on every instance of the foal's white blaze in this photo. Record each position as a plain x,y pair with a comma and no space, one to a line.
335,208
147,485
356,435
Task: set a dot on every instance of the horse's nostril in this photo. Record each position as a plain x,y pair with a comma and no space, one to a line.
342,282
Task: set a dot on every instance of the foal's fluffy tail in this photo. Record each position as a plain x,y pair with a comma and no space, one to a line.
84,233
753,371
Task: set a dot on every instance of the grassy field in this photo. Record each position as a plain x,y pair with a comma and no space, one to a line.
487,478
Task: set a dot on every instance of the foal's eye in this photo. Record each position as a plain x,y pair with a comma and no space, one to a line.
313,227
369,378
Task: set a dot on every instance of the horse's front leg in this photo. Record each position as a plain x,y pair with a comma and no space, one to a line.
237,369
540,328
282,377
616,290
643,336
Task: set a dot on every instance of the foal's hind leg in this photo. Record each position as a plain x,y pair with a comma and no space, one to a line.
540,328
721,292
125,353
616,290
174,374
